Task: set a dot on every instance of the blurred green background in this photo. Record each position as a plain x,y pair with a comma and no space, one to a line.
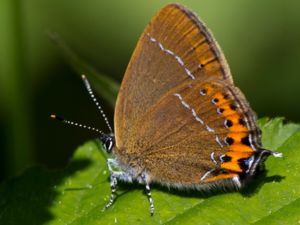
261,41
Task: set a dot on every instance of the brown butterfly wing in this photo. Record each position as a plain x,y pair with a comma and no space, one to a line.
174,47
164,124
184,136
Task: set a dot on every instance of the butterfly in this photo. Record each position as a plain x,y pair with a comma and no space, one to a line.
179,119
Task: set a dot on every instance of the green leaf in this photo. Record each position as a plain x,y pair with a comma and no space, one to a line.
78,194
275,132
102,84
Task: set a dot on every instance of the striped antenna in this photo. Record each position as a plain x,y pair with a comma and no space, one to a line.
55,117
90,91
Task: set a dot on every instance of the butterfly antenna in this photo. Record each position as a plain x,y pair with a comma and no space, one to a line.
55,117
90,91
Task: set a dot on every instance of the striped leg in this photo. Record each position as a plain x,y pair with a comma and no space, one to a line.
113,187
116,174
149,195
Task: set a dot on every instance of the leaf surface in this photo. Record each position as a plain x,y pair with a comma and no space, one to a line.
78,193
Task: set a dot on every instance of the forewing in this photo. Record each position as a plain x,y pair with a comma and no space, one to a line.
174,48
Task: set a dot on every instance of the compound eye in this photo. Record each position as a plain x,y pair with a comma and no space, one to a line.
108,143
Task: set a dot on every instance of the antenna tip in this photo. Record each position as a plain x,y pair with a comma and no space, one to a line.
55,117
83,77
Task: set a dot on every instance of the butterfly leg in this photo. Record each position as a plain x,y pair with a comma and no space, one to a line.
113,188
149,195
116,174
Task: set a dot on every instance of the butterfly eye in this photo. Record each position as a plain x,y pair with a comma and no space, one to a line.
108,142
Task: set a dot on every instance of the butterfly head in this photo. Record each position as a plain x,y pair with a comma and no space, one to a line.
108,142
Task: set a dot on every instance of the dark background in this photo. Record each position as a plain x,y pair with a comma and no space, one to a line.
261,41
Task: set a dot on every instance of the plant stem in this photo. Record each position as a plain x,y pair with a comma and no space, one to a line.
16,87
